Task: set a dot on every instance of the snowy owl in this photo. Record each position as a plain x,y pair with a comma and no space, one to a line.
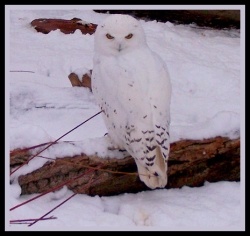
131,85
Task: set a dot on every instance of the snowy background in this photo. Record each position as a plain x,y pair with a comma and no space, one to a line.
42,105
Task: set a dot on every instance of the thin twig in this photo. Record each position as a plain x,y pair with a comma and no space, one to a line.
48,158
26,221
50,190
42,217
54,142
13,152
28,71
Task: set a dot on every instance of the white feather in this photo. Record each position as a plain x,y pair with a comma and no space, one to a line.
132,86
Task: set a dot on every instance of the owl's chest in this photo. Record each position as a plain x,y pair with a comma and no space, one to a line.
123,72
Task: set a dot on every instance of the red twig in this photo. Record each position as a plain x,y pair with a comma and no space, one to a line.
13,152
54,142
52,189
42,217
26,221
48,158
34,156
29,148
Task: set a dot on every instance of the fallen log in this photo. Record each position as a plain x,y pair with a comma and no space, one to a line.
65,26
218,19
191,163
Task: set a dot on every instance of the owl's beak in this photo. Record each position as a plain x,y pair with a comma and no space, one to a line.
120,47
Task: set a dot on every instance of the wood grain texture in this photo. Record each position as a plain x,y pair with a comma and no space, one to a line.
191,163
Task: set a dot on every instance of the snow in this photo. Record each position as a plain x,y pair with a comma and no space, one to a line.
206,75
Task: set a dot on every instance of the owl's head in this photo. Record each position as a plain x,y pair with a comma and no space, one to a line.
119,34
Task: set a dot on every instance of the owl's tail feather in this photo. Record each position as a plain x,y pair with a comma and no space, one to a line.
154,176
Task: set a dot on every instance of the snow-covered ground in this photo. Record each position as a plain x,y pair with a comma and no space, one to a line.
207,76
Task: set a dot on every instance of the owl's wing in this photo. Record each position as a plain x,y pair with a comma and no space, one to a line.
149,144
160,108
148,139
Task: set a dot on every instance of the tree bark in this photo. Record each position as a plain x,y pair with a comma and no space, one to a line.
65,26
85,81
191,163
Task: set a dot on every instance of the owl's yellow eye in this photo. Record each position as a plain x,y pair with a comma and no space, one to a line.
109,36
129,36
